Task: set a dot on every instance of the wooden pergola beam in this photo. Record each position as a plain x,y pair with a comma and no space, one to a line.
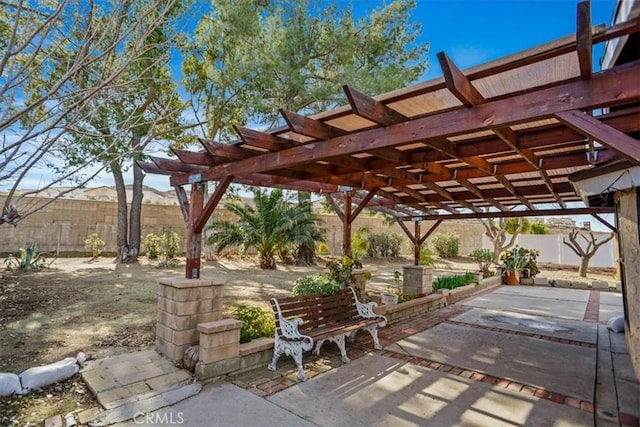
514,214
615,140
370,109
310,127
584,40
263,140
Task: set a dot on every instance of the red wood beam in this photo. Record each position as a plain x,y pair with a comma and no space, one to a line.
183,201
513,214
310,127
458,84
620,142
363,203
584,40
370,109
605,222
346,225
194,238
430,231
608,88
335,206
263,140
213,201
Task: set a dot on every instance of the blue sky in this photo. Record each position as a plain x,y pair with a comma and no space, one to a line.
472,32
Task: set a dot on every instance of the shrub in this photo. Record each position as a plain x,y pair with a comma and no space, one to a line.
323,249
342,271
484,258
426,257
360,243
27,259
256,322
452,282
152,242
315,284
168,247
93,243
383,245
538,228
446,245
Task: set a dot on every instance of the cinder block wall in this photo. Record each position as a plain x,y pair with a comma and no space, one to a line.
65,223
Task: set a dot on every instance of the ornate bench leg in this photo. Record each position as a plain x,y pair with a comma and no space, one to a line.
278,350
297,357
373,330
316,350
352,336
339,340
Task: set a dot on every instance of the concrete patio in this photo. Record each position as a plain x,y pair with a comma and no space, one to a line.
526,356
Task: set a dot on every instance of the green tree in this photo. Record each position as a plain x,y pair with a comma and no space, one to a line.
496,230
143,107
518,225
251,58
56,58
273,223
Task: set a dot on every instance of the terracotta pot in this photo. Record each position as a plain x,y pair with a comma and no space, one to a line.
511,277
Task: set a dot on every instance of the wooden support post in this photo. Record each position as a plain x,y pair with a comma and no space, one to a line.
416,244
194,237
346,225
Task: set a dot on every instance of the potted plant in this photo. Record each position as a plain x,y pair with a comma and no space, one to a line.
516,262
393,292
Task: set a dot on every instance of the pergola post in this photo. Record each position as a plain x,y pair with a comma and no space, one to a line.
194,236
415,237
346,224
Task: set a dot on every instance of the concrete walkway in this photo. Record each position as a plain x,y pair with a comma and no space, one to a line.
515,356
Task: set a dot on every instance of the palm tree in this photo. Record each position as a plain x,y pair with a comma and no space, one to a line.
269,226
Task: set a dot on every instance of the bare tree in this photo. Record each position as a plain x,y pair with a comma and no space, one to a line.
47,50
496,230
587,253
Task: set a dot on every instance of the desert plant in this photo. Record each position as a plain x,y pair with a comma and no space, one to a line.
93,243
27,259
484,258
318,283
452,282
323,249
383,245
360,243
341,271
169,245
272,223
538,228
446,245
426,257
256,322
152,242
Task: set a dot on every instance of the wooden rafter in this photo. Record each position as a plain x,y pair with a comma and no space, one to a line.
584,39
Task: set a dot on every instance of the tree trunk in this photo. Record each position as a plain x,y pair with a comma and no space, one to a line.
305,252
123,223
135,214
584,265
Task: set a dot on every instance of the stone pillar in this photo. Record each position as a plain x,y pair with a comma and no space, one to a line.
361,284
417,279
219,348
182,305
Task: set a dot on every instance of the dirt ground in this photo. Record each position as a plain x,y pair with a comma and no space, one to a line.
102,309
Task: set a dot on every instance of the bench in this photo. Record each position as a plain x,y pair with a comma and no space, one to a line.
304,320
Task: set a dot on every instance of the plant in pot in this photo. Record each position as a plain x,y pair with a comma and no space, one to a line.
393,292
518,262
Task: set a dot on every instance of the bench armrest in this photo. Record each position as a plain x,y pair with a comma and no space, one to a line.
289,327
366,309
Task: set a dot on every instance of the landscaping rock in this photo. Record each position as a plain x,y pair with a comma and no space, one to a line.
579,284
541,281
9,384
41,376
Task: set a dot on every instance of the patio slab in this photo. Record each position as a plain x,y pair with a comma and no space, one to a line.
530,361
551,302
382,391
525,323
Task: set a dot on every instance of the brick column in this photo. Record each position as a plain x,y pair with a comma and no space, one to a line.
182,305
417,279
219,348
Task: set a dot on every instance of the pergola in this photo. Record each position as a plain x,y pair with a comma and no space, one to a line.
497,140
